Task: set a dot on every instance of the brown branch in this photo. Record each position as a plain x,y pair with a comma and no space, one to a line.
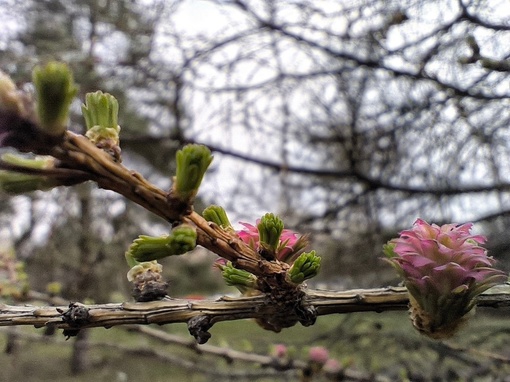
77,152
372,63
281,304
475,19
168,311
271,366
368,181
230,355
168,358
81,160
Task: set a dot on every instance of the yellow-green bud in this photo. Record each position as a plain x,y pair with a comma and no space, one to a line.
241,279
55,89
217,215
305,267
101,115
182,239
192,163
270,229
13,182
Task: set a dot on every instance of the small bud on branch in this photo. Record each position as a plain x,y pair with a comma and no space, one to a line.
244,281
305,267
270,228
182,239
55,91
192,163
101,114
14,182
217,215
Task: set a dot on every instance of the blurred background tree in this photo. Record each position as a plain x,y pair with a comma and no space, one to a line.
348,119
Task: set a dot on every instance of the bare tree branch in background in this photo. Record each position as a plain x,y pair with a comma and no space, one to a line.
349,119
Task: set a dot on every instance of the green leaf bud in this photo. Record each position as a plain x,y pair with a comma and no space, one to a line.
389,249
13,182
192,163
217,215
182,239
55,91
101,117
270,229
39,162
19,183
241,279
305,267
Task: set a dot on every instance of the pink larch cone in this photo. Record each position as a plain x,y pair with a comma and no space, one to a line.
444,269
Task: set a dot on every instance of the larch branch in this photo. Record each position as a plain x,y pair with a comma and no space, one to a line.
171,310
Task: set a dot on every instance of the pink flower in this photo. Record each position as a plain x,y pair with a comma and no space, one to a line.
279,351
444,258
250,234
442,266
332,366
291,243
318,354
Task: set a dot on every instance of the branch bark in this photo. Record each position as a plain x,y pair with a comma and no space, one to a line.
78,316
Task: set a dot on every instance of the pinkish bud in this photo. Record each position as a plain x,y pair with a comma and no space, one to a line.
279,351
290,247
332,366
318,354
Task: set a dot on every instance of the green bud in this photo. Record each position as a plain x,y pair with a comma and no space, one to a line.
55,91
182,239
217,215
192,163
16,183
38,163
101,117
270,229
389,250
242,280
13,182
305,267
131,261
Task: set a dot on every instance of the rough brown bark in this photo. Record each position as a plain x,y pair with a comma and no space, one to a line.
169,310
